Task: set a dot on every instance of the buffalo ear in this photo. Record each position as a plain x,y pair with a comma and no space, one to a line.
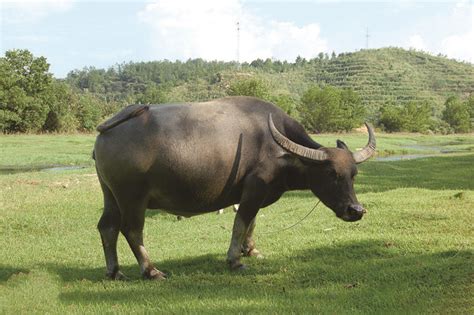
341,145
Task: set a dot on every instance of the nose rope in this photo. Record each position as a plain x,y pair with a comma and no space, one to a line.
293,225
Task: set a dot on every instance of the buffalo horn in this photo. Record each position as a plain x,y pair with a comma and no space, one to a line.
295,148
368,150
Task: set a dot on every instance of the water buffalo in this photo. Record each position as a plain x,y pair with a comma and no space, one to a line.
189,159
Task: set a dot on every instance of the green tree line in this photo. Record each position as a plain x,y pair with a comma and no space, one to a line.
32,100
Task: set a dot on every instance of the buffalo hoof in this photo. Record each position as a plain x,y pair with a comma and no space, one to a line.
236,266
116,276
255,253
154,274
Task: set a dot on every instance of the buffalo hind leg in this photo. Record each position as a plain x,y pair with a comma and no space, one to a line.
133,221
109,226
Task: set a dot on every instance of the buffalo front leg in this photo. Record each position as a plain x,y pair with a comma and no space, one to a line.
244,223
109,226
248,248
239,232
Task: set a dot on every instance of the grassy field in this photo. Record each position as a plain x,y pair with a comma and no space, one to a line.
412,253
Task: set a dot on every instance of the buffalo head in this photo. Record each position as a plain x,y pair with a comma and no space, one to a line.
330,172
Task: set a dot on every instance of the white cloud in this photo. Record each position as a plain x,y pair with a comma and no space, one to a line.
27,11
461,45
208,29
451,34
416,42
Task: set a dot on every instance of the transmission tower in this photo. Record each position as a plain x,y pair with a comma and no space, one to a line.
367,38
238,43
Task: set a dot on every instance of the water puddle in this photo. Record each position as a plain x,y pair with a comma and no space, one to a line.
427,151
422,147
38,168
391,158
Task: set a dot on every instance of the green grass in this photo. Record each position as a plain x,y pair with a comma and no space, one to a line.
412,253
44,150
404,143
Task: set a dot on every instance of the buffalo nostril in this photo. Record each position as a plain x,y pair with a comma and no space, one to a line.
356,210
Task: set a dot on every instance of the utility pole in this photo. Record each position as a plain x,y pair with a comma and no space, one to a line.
367,38
238,44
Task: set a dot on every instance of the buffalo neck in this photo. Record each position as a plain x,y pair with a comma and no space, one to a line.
296,177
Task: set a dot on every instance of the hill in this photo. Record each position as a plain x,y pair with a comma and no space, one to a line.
387,75
417,91
396,75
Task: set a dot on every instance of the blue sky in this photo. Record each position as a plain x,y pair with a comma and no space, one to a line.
73,34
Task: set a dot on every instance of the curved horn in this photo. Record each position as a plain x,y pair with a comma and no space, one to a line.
368,150
295,148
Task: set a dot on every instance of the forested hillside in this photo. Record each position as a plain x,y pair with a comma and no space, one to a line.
378,75
396,75
396,89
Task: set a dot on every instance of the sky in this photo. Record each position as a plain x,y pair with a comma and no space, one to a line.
73,34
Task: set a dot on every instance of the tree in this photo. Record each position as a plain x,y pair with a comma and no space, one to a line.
331,109
257,63
285,102
62,109
353,111
153,94
249,87
390,118
24,82
470,105
88,112
417,116
456,114
412,117
299,61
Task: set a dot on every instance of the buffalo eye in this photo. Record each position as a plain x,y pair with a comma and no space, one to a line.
332,173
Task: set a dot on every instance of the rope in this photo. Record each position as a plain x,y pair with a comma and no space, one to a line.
295,224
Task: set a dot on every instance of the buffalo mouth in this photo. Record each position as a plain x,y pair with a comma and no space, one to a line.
352,213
